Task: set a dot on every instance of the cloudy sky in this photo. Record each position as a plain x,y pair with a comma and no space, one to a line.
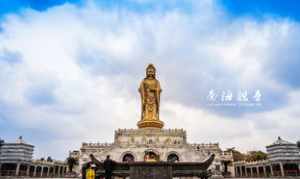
69,70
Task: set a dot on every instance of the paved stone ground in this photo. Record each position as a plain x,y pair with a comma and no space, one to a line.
33,177
78,178
272,178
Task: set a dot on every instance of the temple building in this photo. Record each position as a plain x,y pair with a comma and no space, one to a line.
16,159
283,160
151,142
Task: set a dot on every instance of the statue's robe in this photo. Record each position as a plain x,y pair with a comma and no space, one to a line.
150,94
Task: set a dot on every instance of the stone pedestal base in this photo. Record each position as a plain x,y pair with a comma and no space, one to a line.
148,171
150,124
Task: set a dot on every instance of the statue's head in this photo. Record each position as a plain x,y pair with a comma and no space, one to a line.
150,71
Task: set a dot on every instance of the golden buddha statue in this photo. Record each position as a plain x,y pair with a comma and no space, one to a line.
150,96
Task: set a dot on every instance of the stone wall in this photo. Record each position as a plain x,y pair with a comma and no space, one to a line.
162,142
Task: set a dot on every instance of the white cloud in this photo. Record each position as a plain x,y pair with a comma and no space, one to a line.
93,59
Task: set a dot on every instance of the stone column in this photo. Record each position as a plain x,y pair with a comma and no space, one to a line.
18,169
271,167
257,171
58,171
281,169
251,171
265,171
42,171
235,171
34,171
28,170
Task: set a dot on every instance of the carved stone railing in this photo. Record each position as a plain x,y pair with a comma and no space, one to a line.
147,170
160,132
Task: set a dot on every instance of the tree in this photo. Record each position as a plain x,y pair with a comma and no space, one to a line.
49,159
256,155
237,155
71,161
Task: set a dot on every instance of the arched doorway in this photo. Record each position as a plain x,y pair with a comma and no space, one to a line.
23,169
128,158
31,171
151,156
45,172
38,171
173,158
51,172
61,171
56,171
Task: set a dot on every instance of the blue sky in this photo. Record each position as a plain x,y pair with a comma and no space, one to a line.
66,64
14,6
288,8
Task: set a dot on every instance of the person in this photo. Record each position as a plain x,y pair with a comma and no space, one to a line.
90,173
108,166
